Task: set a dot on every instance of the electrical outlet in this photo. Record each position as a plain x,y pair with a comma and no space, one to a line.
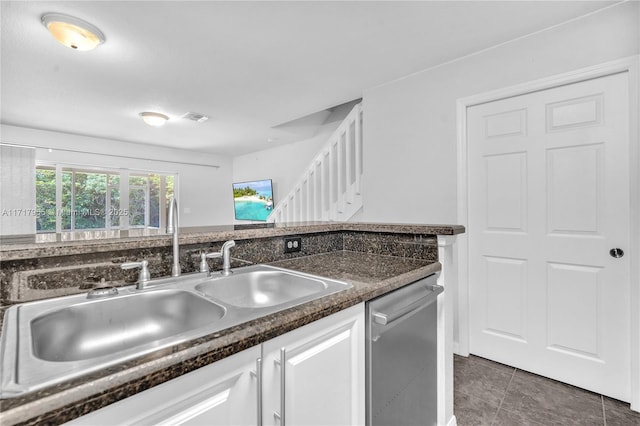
292,244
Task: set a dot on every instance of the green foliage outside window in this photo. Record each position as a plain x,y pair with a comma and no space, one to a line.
90,200
45,200
84,200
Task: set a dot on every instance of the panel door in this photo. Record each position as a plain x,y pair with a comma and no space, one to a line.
549,198
223,393
323,378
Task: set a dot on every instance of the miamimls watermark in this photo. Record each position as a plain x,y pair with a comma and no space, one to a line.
65,212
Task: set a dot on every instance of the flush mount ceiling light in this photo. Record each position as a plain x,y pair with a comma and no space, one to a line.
154,118
72,32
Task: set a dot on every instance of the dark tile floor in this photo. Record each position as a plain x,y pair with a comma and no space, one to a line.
489,393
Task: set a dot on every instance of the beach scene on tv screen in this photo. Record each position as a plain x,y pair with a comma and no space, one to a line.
253,200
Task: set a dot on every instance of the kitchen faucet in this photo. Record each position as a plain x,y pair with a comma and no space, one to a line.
172,226
204,266
143,278
226,257
224,253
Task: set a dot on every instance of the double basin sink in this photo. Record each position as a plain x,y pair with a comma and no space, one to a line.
50,341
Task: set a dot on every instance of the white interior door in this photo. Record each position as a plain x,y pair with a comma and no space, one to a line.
548,200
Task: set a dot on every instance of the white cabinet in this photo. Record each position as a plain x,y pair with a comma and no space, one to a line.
222,393
315,375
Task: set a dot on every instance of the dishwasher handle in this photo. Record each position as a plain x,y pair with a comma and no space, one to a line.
387,319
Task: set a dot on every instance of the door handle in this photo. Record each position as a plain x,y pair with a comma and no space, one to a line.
616,252
281,362
386,319
259,386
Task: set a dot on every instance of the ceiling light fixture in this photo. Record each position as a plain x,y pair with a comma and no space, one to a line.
72,32
154,119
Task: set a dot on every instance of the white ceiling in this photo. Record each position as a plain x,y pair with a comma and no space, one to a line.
250,66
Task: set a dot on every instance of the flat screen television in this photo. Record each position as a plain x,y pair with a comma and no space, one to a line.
253,200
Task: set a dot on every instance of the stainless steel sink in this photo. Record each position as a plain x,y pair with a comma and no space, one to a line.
53,340
103,327
50,341
257,289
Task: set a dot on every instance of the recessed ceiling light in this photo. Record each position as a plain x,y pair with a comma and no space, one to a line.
154,118
72,32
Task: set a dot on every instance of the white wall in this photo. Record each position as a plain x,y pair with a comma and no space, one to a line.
282,164
285,164
204,195
410,124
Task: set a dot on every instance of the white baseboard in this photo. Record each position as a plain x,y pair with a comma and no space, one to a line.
452,421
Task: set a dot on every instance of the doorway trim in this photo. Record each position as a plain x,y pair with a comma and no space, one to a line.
630,65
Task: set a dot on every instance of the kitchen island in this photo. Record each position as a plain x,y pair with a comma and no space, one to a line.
374,258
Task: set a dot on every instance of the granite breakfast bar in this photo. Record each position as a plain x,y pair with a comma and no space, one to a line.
374,258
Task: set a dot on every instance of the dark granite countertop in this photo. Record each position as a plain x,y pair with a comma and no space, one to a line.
196,235
371,275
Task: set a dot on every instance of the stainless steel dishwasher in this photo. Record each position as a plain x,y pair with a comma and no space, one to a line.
401,352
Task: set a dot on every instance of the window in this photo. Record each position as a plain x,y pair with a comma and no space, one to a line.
138,201
45,199
84,200
71,199
113,197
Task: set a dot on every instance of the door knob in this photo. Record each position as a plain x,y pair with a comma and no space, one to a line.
616,252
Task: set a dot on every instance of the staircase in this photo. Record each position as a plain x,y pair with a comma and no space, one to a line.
329,189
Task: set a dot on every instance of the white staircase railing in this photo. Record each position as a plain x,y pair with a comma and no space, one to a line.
329,189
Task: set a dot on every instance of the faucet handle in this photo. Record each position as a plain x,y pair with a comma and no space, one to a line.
144,276
204,266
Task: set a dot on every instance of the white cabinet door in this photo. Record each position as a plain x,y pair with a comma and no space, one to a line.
321,366
223,393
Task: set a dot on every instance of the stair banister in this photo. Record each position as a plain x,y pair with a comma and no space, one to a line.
330,187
